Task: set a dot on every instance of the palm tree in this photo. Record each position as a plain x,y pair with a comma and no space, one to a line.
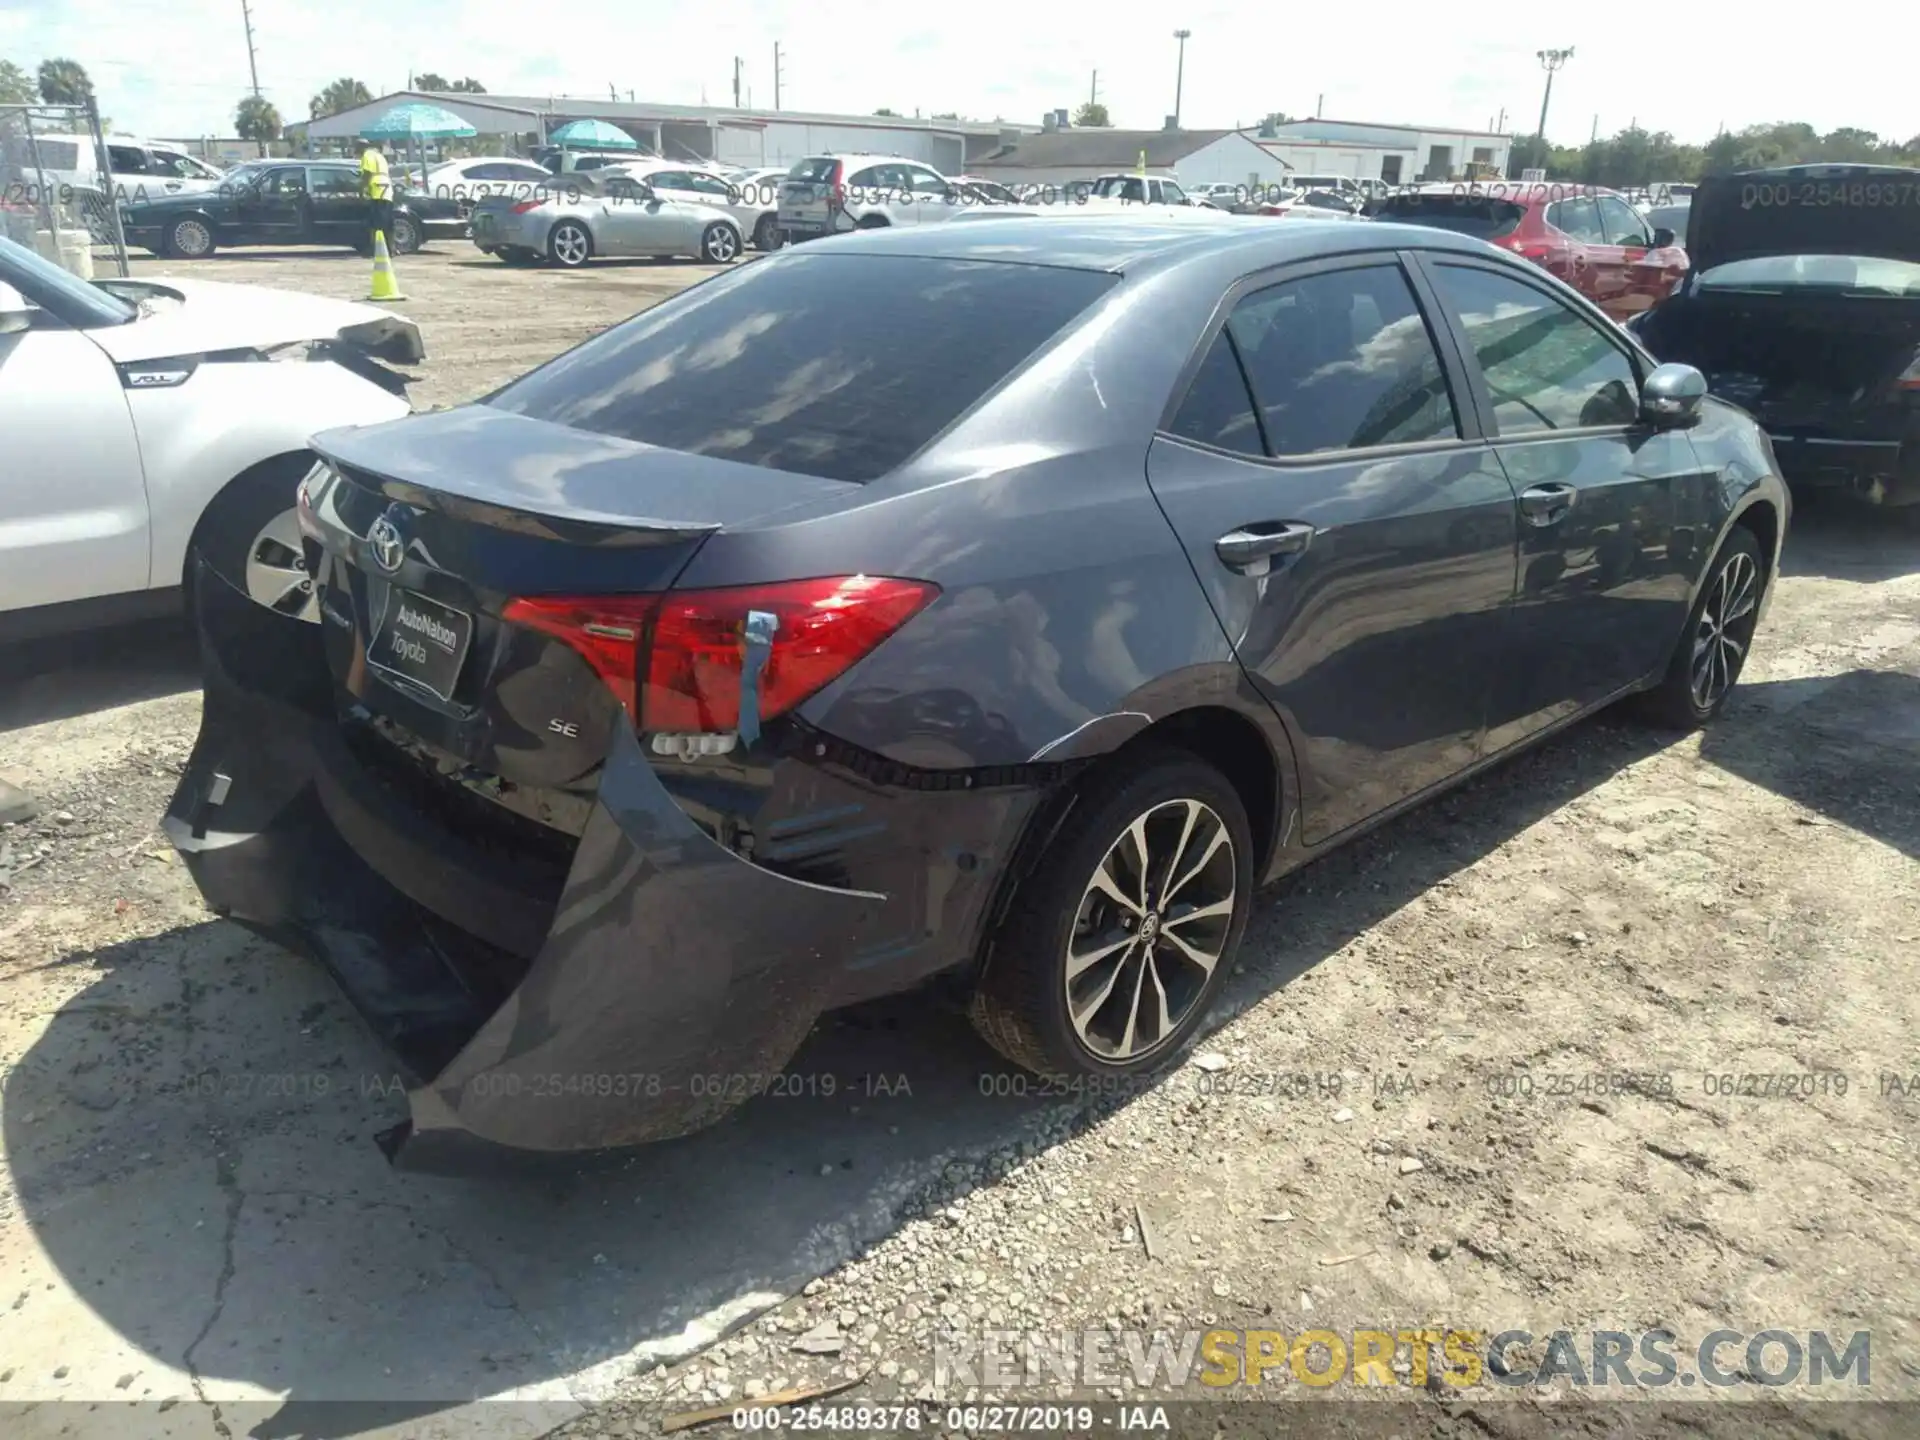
342,94
16,86
255,119
64,82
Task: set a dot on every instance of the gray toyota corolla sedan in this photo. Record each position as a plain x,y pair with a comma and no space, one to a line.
1000,602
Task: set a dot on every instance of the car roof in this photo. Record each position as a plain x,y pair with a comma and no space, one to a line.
1127,243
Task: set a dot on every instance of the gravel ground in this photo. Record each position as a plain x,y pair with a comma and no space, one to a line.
1398,1128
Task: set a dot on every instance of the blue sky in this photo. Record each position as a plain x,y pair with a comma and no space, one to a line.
177,70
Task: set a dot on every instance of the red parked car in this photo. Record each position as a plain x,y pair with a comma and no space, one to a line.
1591,238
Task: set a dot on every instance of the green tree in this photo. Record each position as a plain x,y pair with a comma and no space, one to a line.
16,86
64,82
1278,117
883,110
432,80
468,86
255,119
342,94
1092,114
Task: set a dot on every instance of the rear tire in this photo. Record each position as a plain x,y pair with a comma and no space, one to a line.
767,234
514,255
189,238
873,222
1083,977
569,245
1713,648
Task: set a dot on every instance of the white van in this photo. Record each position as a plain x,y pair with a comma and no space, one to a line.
140,169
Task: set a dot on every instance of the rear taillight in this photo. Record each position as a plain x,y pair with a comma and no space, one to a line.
521,207
679,662
1908,382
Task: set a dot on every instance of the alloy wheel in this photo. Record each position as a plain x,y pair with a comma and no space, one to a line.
1724,631
192,239
1151,927
721,245
276,571
570,245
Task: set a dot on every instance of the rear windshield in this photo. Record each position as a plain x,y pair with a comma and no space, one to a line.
1478,215
819,170
841,366
1856,274
44,154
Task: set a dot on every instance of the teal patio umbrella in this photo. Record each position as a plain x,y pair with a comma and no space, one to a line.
592,134
415,121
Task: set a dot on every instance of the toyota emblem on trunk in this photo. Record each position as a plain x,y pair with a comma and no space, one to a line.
389,547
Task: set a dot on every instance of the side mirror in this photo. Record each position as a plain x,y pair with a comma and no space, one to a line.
15,313
1672,396
1663,237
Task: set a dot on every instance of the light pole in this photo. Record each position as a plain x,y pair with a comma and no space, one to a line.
1550,61
1179,74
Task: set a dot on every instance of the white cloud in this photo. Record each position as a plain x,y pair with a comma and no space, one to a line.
179,70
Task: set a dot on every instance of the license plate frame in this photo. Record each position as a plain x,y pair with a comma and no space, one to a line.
436,663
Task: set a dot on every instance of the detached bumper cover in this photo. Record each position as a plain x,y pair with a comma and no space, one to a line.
669,960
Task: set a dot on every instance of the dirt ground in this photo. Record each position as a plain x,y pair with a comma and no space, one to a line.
1399,1126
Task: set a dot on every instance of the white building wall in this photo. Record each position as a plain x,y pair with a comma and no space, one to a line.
1355,162
783,142
1018,176
1230,160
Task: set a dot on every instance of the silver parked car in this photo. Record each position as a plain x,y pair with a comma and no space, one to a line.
576,217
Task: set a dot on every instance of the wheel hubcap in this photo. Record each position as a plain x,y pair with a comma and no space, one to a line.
1151,927
1725,630
277,572
720,247
572,246
191,239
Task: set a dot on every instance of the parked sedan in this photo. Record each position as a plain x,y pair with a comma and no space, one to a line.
282,203
579,217
753,208
1804,308
1592,239
1000,602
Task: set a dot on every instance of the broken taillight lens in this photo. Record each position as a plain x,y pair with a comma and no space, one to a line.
678,661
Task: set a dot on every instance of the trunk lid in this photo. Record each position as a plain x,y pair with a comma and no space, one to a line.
1871,210
430,526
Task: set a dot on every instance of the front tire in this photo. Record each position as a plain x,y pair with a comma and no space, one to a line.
1118,941
569,245
720,244
1714,646
250,537
767,234
406,236
189,238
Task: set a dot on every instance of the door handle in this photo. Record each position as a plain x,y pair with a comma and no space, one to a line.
1250,550
1547,504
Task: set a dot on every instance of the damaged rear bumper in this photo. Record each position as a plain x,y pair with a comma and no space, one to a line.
593,1022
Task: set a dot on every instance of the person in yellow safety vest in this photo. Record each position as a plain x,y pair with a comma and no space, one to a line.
376,187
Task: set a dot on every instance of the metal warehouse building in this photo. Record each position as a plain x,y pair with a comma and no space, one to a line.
697,132
1193,157
1398,154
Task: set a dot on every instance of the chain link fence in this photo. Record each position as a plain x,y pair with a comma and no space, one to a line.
57,194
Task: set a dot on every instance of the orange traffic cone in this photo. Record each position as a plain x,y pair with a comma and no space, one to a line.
386,286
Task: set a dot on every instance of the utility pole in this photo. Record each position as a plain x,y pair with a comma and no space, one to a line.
776,74
1180,74
736,82
1093,92
1550,61
253,61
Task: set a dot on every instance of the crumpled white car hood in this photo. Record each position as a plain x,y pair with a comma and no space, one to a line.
196,317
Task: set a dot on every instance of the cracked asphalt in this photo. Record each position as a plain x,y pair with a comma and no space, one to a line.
198,1236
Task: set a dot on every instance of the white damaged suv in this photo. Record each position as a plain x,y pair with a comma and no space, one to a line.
147,420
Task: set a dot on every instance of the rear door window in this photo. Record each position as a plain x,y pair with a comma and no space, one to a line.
1546,366
830,365
1218,408
1578,217
1623,224
1343,361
